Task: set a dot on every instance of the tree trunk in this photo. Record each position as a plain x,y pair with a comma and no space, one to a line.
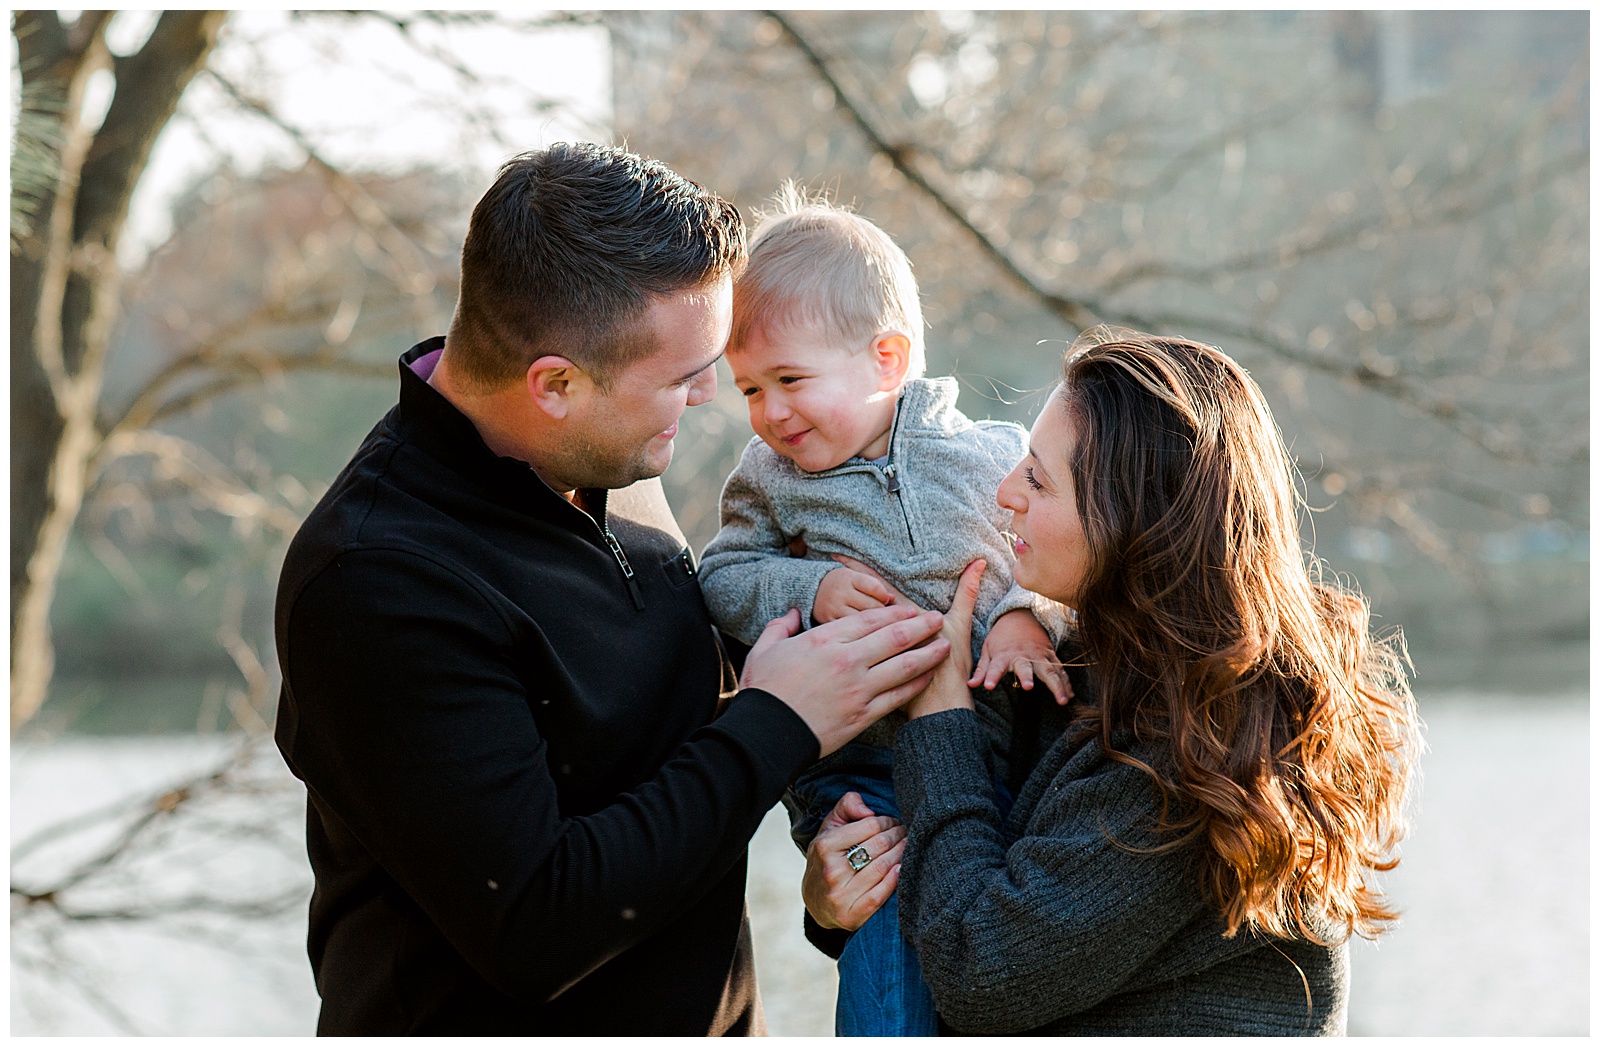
64,286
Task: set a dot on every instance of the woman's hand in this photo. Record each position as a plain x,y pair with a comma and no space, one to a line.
836,894
1018,644
949,687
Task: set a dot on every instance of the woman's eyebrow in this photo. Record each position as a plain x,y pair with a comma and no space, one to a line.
1038,466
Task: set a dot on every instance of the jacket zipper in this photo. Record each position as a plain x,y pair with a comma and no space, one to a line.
627,569
616,553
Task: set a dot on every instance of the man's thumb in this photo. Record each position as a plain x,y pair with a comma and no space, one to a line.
778,629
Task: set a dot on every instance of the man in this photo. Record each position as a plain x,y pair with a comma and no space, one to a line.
527,811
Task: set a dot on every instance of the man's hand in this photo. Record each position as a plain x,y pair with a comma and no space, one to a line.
845,591
1018,644
843,676
836,894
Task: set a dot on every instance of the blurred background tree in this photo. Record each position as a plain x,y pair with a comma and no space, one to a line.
1384,215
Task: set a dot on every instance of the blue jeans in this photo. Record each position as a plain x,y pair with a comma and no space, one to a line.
881,991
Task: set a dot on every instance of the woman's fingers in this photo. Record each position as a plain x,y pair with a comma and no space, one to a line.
844,838
850,808
872,900
966,597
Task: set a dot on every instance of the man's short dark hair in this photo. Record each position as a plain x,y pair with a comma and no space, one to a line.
568,248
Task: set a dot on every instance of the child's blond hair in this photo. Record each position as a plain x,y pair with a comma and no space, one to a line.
818,267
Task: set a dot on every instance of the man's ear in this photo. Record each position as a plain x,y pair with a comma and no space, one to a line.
891,352
556,384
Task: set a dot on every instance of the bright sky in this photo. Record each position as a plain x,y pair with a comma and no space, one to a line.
368,99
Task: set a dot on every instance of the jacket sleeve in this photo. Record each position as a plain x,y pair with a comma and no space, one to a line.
746,573
414,727
1014,937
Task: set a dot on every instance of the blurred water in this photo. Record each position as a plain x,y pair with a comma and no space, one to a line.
1494,884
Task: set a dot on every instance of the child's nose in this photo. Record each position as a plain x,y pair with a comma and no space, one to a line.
776,410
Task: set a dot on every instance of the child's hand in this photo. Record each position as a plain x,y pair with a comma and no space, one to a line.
845,591
1018,644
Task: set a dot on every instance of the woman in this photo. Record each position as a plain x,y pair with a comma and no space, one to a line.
1195,844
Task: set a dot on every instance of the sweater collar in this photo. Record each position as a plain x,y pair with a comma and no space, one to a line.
927,407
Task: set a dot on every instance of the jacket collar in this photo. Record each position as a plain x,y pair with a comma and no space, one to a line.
435,426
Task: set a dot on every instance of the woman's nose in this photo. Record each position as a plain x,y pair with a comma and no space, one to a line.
1008,496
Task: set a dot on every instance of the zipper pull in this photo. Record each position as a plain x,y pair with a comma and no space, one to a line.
627,569
892,474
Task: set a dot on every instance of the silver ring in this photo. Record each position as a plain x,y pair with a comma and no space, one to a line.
858,857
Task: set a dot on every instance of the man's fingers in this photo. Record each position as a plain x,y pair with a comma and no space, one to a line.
856,626
776,630
892,673
900,634
779,629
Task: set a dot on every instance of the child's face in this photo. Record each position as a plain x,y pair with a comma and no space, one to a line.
815,403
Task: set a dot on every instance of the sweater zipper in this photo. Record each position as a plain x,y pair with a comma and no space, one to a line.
891,475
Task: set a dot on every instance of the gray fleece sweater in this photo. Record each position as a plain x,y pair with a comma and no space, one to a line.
1039,923
918,520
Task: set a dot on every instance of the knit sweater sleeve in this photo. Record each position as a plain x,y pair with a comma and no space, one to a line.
746,573
1014,936
416,731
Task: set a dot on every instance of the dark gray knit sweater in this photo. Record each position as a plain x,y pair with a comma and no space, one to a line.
1039,923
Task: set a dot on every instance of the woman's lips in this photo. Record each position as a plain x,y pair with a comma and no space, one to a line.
1018,546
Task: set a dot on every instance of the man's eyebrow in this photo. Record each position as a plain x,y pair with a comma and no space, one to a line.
697,370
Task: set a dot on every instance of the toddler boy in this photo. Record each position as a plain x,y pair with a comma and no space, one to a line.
856,456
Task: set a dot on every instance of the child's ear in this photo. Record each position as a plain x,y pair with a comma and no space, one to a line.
891,352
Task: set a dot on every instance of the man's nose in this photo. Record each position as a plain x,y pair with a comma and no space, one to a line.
704,388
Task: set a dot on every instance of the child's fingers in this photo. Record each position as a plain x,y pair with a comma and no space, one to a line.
997,670
981,668
874,588
1024,671
1056,680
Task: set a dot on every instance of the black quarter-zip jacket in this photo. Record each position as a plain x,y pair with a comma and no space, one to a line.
527,813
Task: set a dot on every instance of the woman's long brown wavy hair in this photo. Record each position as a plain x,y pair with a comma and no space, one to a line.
1286,733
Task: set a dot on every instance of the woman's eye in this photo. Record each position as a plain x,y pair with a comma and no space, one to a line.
1027,474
